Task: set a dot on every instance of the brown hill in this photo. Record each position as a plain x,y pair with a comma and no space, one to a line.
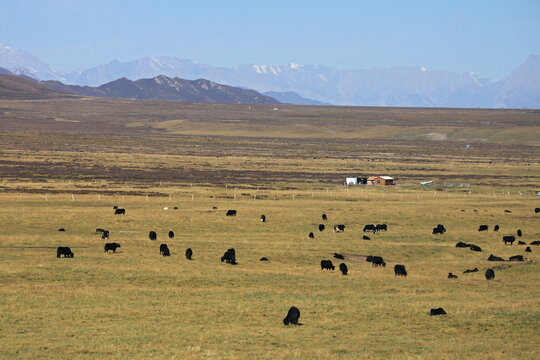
13,87
165,88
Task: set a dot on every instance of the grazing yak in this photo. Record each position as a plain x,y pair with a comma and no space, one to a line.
516,258
321,227
369,227
462,245
440,229
105,234
164,250
536,242
509,239
263,218
343,268
522,243
292,316
399,270
470,271
339,228
339,256
231,213
311,236
152,235
61,229
171,234
263,259
483,228
120,211
229,257
494,258
364,237
519,233
536,210
115,207
490,274
63,250
528,249
507,211
327,264
475,247
324,217
111,246
189,253
496,228
376,260
452,276
438,311
381,227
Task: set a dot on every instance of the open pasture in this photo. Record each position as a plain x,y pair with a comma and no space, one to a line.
64,162
138,304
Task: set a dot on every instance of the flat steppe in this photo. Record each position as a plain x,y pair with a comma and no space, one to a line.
64,162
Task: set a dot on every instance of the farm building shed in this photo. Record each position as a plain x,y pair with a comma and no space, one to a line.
380,181
355,181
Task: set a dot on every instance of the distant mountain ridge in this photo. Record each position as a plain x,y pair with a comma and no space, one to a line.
164,88
5,71
393,86
289,97
17,87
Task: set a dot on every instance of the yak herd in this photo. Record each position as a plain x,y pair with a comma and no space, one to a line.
293,314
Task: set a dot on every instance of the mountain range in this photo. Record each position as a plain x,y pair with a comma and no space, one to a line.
164,88
315,84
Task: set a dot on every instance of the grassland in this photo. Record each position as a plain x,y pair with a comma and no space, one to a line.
65,162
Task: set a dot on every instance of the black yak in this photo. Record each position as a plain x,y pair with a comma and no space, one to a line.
292,316
343,268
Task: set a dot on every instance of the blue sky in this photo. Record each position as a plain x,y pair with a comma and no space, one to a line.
490,38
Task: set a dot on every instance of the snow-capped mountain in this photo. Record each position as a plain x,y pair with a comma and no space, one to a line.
392,86
397,86
23,63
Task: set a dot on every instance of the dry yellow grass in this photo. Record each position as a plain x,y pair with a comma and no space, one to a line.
137,304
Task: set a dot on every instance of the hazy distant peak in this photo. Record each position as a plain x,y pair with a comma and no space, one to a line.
294,66
24,63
